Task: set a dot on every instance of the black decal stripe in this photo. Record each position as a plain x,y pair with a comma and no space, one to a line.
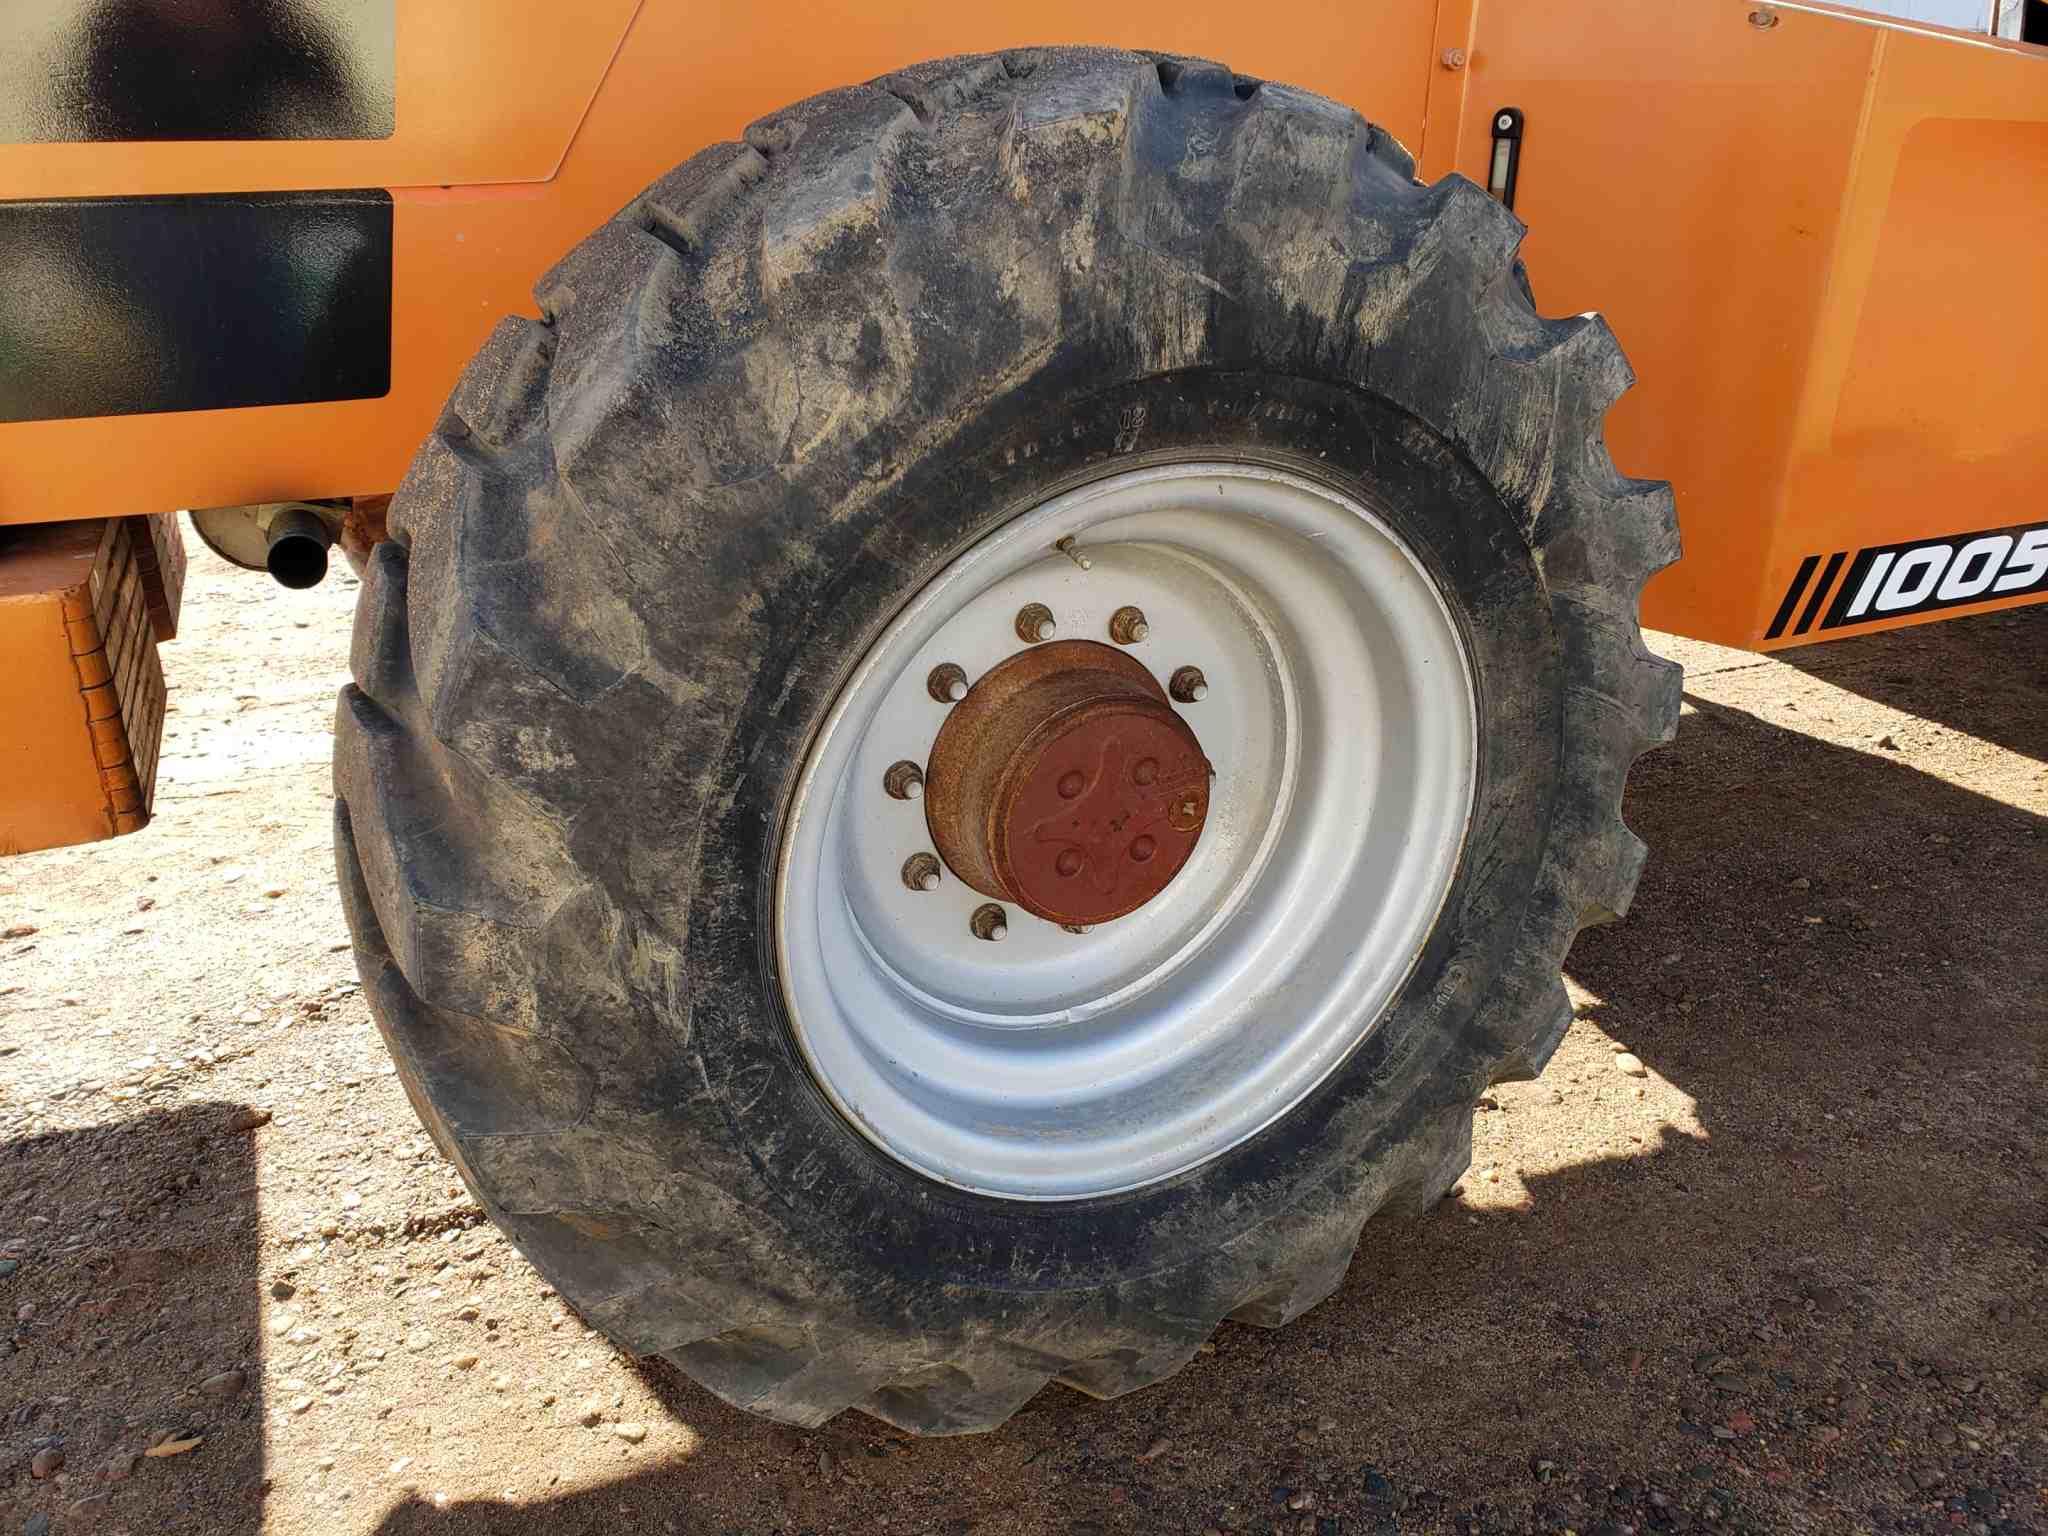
1845,593
125,71
1820,593
1799,581
116,306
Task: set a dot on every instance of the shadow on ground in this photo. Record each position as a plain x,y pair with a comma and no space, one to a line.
1986,676
135,1246
1812,1298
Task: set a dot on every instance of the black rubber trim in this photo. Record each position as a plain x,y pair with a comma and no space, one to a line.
128,71
124,305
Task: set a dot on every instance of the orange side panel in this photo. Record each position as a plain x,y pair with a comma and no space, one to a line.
1819,242
688,73
1818,238
1925,412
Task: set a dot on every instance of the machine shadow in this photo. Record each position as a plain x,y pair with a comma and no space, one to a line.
1985,676
134,1245
1832,970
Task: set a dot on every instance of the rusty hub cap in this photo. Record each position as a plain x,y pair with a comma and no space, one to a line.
1067,783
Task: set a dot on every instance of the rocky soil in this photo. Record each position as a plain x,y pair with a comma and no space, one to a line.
1763,1251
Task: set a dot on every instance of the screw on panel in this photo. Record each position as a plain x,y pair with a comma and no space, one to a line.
1763,18
921,872
947,683
1454,58
904,781
1127,625
990,922
1188,686
1035,623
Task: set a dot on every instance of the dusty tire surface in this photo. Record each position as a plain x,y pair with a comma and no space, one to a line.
628,575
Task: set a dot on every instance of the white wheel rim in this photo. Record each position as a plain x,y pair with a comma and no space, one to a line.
1341,720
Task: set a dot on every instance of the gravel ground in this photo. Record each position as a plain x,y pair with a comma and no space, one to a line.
1778,1267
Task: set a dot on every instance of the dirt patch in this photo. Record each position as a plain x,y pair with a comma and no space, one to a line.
1781,1271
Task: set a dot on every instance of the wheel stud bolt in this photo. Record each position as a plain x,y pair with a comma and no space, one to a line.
990,922
921,872
1127,625
947,683
1035,623
904,781
1188,686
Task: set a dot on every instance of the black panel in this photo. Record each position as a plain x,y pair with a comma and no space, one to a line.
87,71
112,306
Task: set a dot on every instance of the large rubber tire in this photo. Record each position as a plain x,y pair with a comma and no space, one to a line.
655,528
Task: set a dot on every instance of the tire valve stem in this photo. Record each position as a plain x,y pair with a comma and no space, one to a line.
921,872
904,781
1127,625
1188,686
1067,547
990,922
947,683
1035,623
1078,927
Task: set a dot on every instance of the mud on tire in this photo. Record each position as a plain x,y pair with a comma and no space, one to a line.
628,573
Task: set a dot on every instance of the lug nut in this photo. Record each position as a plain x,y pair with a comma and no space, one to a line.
1035,623
921,872
1188,686
904,781
1127,625
947,683
990,922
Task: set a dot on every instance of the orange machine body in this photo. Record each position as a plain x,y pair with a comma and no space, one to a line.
1818,234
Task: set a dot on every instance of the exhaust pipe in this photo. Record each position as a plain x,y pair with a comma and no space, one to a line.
297,553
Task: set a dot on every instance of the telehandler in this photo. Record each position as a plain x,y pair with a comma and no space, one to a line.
974,733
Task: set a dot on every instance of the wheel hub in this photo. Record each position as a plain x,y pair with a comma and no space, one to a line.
1066,782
